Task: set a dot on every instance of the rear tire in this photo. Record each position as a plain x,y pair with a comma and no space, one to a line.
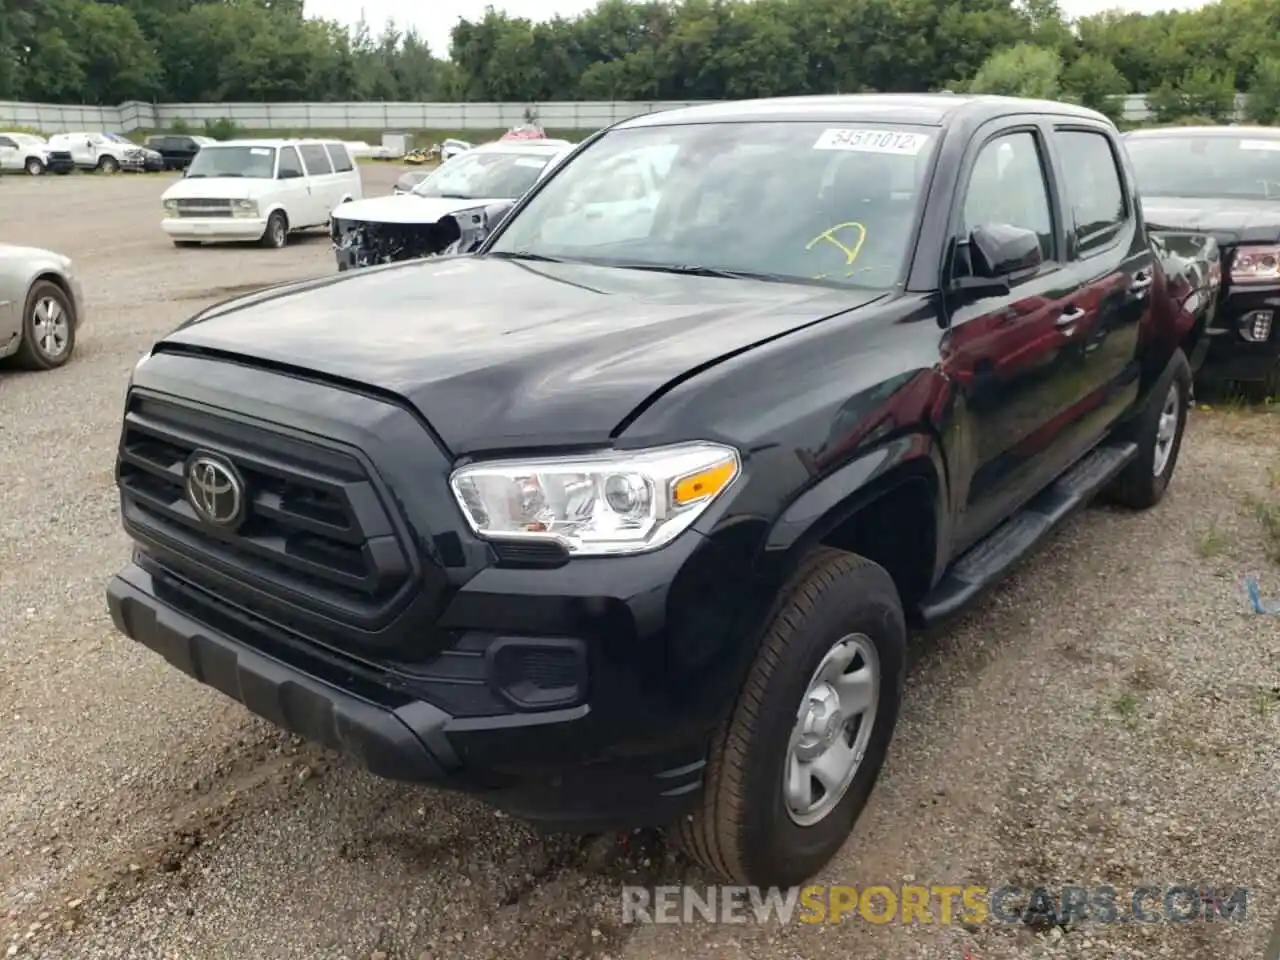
1158,432
276,236
748,827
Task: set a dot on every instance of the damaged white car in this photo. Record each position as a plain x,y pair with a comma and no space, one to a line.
450,211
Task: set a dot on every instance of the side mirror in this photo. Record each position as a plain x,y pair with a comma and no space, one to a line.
995,253
496,213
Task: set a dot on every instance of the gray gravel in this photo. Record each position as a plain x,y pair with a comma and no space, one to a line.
1107,716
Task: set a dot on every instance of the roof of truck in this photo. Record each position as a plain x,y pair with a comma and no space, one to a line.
924,109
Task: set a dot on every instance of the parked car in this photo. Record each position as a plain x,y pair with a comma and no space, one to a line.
152,161
40,307
29,153
263,190
177,150
100,152
630,533
444,211
1224,181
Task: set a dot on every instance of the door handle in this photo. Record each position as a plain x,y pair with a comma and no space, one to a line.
1071,316
1141,282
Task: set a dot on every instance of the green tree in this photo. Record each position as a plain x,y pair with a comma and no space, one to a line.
1096,83
1263,104
1020,71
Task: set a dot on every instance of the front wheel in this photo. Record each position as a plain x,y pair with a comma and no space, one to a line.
276,236
48,328
34,166
1157,431
795,763
108,165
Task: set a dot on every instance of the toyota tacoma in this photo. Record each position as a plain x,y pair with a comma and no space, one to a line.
622,520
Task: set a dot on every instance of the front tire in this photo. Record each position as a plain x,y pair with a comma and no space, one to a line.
276,236
792,768
108,165
34,166
1158,432
48,328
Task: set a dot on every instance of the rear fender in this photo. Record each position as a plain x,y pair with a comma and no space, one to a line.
1191,264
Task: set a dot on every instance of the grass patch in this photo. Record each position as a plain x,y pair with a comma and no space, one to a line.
1126,707
1213,543
1268,513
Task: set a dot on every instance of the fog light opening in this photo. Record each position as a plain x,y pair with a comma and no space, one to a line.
1256,326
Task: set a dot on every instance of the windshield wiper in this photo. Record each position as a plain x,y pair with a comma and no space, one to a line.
525,255
455,196
696,270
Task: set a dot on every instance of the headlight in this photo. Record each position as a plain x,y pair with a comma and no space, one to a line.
245,208
171,206
1256,265
606,504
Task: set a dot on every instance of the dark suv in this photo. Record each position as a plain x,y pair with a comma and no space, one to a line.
623,518
177,150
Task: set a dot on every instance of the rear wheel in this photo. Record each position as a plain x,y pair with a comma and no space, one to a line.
34,166
1158,433
795,763
276,236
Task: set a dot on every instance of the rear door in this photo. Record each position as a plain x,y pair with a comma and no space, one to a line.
1113,264
346,178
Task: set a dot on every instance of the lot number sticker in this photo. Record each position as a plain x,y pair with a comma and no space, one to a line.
1273,145
898,142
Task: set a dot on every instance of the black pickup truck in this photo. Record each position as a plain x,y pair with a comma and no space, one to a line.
1224,182
623,519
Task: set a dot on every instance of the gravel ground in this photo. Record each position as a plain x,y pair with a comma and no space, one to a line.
1108,715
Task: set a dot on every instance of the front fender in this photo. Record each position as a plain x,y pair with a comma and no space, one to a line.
1192,267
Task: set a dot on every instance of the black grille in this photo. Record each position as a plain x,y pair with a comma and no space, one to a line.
59,154
315,532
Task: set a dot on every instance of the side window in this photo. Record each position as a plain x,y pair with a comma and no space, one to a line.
1094,188
1007,186
316,159
338,154
289,163
6,142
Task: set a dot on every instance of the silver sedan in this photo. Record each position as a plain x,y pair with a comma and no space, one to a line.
40,307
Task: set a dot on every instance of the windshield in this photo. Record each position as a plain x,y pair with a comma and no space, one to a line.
1207,166
118,138
257,162
488,176
795,201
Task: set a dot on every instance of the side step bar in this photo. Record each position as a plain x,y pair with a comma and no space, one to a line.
987,561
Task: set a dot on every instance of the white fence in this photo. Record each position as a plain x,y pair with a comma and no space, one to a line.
569,115
582,115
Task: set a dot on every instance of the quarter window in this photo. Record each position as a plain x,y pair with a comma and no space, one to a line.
1094,188
1007,186
316,159
338,154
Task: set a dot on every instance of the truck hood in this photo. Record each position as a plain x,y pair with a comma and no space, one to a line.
1227,221
499,353
405,208
219,188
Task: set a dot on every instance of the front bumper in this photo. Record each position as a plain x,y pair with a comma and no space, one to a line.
532,765
154,164
214,229
1230,357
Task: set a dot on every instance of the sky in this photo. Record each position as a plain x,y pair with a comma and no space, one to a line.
435,18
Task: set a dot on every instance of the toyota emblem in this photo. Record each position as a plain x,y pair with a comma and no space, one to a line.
215,490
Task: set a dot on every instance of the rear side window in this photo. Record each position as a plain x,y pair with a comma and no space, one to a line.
316,159
6,142
289,162
1094,188
338,154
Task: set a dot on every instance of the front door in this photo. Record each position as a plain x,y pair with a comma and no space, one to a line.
1010,355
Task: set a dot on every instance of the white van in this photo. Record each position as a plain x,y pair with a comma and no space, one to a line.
237,190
